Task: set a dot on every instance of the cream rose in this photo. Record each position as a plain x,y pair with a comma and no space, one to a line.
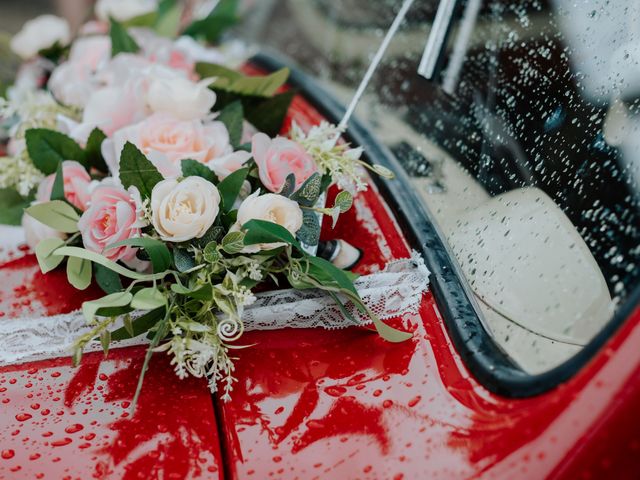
39,34
272,208
184,210
123,10
180,97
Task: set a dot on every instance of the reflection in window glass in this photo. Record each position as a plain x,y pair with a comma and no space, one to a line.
525,146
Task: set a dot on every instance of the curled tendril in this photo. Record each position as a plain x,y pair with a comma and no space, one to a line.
230,329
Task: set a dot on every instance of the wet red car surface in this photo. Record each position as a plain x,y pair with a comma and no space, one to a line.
338,404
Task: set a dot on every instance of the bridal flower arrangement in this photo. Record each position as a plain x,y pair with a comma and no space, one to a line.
156,168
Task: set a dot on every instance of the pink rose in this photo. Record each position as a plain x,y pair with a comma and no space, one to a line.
166,141
110,218
76,185
278,158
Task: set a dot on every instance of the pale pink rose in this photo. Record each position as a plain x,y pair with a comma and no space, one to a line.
181,98
72,82
162,50
123,96
76,185
166,141
110,218
91,52
113,108
227,164
279,157
94,27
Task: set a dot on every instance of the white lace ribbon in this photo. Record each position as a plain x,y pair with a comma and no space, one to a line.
394,291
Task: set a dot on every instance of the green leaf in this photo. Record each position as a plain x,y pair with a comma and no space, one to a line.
223,16
204,292
229,188
79,273
157,250
105,341
211,253
140,325
183,260
307,195
262,231
57,191
309,233
168,20
232,116
344,201
57,214
93,150
121,41
148,299
326,269
214,234
136,170
390,334
119,299
233,242
45,254
383,171
13,205
144,20
193,168
127,324
289,185
233,81
108,280
105,262
48,148
268,116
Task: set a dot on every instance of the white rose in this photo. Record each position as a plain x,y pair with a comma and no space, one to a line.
272,208
179,96
70,85
39,34
123,10
35,231
184,210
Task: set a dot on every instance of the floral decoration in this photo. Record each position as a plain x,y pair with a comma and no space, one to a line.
157,169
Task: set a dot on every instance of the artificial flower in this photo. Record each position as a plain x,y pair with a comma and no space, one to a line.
180,97
110,218
184,210
166,140
123,10
278,158
41,33
76,181
72,82
271,208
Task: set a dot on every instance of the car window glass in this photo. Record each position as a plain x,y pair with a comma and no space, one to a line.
525,145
